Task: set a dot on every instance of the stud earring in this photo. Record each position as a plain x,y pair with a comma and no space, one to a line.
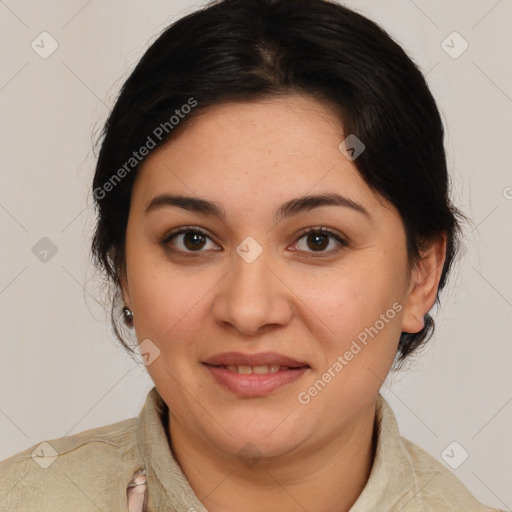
128,314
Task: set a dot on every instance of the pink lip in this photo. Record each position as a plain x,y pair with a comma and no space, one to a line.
254,384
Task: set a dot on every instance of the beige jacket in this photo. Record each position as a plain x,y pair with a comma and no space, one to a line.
91,471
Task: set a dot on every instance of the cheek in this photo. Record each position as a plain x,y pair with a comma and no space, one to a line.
154,301
358,318
167,306
168,309
360,311
171,303
353,299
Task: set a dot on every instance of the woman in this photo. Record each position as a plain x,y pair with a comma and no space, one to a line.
274,216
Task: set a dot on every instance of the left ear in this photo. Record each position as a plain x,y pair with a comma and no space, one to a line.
423,285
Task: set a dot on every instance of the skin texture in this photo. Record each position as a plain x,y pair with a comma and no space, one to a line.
249,158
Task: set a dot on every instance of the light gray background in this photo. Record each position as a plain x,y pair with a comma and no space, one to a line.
61,369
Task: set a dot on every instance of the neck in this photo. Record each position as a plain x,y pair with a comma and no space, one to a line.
325,477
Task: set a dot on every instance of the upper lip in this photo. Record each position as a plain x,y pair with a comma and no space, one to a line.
260,359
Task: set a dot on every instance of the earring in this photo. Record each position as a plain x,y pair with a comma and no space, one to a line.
128,314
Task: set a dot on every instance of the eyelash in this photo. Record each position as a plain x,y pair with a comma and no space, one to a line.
320,230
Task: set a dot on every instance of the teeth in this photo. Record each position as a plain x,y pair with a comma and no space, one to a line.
260,369
263,369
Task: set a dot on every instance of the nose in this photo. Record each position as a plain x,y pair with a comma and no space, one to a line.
253,296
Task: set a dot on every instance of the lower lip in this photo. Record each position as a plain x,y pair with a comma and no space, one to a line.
254,384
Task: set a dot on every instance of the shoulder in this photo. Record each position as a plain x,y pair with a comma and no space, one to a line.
439,488
78,472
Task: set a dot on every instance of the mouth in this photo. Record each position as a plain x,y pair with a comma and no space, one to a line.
257,360
258,370
254,374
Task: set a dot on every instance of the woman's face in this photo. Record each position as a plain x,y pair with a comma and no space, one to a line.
257,332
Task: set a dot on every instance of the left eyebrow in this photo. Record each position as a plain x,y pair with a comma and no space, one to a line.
287,209
307,203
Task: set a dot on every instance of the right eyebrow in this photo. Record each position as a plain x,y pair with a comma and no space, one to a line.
193,204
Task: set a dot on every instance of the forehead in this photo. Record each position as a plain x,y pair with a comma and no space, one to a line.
269,149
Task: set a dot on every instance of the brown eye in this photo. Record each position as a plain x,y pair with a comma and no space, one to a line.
187,240
193,241
319,239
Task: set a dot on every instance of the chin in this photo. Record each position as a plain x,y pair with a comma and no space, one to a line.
252,448
268,437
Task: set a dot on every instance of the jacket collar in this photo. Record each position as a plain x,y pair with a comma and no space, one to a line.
392,481
168,488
